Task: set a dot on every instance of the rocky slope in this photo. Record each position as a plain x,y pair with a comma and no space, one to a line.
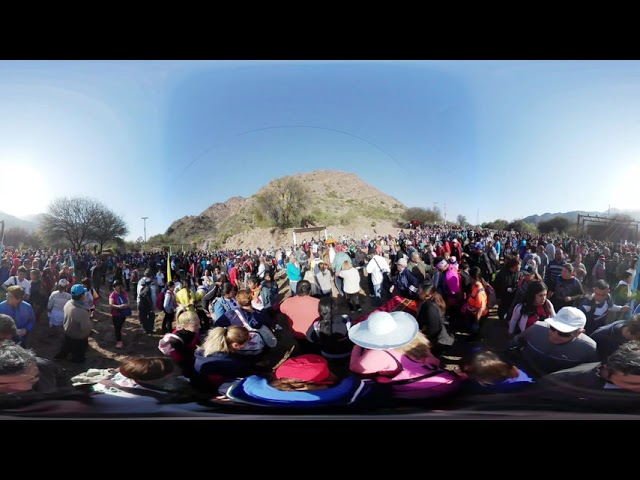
341,201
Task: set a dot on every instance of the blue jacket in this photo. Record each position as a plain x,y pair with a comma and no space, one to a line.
22,314
226,364
256,390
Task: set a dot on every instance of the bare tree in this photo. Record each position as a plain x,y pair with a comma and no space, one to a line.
77,219
108,226
461,220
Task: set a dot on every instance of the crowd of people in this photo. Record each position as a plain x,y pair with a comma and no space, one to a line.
540,317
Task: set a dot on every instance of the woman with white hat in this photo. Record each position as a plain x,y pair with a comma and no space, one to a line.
390,349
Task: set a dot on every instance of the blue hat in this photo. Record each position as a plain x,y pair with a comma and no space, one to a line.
78,289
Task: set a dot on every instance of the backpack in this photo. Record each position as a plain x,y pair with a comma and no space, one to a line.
145,297
160,299
164,345
419,381
492,299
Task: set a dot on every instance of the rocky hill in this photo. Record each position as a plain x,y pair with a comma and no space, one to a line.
30,224
341,201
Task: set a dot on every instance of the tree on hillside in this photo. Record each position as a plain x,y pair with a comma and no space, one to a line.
521,226
461,220
285,203
108,226
17,236
424,215
557,224
497,224
76,220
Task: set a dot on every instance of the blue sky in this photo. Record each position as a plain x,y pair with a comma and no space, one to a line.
164,139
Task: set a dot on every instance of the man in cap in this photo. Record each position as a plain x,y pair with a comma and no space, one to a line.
77,327
406,284
554,344
418,268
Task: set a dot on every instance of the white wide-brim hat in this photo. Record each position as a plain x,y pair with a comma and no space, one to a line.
383,330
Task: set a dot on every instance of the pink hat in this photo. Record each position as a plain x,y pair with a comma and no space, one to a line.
307,368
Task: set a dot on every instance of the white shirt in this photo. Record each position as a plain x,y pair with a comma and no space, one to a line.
375,269
351,278
14,280
57,301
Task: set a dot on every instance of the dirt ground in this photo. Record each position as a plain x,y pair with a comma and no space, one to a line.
102,352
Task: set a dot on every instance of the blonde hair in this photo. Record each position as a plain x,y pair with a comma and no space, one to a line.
186,318
418,348
219,338
16,292
243,297
346,265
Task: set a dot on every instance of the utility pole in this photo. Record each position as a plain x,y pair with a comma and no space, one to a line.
477,217
145,228
445,214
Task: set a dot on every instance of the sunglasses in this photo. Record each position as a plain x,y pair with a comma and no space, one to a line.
561,334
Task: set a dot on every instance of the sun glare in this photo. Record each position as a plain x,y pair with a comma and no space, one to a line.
624,187
25,192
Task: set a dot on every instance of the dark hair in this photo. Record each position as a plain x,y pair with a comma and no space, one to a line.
227,288
253,279
487,367
568,266
146,368
633,324
303,287
429,289
512,262
533,289
602,285
476,274
626,359
325,311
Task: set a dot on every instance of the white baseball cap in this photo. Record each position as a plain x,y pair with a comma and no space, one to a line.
568,319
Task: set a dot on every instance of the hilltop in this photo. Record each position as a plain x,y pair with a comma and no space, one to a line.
341,201
30,224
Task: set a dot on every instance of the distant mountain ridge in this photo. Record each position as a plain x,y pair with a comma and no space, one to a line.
30,224
573,216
